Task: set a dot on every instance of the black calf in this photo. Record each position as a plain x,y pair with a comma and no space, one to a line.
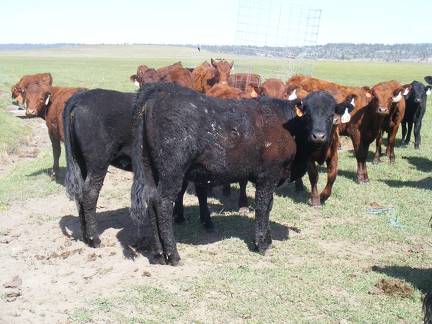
182,135
98,133
415,109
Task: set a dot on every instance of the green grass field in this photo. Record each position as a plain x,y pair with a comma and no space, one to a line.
326,272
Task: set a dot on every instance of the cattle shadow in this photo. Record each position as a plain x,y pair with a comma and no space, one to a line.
425,183
60,178
419,278
190,231
420,163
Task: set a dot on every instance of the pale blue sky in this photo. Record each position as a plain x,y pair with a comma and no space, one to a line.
202,21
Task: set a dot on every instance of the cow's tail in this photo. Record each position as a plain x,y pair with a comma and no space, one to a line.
74,179
143,193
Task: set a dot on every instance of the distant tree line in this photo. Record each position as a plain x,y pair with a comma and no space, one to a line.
335,51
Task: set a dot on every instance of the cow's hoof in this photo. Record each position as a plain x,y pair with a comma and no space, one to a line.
315,203
93,242
362,181
392,160
173,259
243,211
376,160
158,259
263,244
417,147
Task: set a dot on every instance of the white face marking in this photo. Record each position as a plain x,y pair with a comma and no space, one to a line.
406,91
352,102
346,117
293,95
47,100
136,83
428,92
398,97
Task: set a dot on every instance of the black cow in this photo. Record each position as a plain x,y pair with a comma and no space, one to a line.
428,79
183,135
98,133
415,108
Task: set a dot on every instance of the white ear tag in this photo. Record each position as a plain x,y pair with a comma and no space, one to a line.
293,95
406,91
47,100
346,117
398,97
136,83
352,103
428,92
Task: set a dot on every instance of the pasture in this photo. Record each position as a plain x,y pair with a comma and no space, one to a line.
325,265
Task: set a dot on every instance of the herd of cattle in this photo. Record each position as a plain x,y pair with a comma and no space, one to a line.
208,126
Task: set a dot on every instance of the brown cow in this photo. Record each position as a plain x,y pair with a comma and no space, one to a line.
389,103
203,77
48,103
223,69
243,80
274,88
19,89
300,86
144,75
177,74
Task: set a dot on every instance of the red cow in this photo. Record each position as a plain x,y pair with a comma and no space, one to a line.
389,104
18,90
203,77
223,69
48,103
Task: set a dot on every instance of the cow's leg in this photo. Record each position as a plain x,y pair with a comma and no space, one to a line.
361,156
417,136
56,147
408,137
91,188
391,144
404,133
201,191
168,190
377,155
313,179
243,201
263,205
178,207
332,167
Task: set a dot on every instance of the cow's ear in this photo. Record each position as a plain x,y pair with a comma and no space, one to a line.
398,94
406,89
213,62
428,79
47,98
368,92
347,105
428,90
231,64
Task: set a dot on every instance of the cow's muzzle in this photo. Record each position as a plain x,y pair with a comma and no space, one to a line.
318,137
383,110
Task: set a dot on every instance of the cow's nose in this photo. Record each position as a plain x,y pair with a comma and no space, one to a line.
383,110
318,137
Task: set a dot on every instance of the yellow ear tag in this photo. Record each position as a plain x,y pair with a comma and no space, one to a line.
299,113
